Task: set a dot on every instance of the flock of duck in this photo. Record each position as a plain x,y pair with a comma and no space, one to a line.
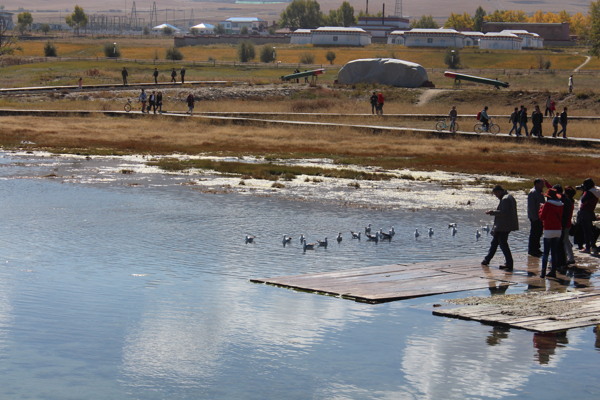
369,234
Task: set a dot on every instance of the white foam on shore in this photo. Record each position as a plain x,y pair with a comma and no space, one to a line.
408,189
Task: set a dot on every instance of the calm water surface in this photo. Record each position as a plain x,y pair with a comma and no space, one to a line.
109,291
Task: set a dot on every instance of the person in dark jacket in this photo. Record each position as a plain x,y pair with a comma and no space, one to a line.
182,74
373,100
586,214
505,221
563,120
173,76
523,121
535,199
537,118
514,119
155,75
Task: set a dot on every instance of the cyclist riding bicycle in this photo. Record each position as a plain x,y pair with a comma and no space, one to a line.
484,118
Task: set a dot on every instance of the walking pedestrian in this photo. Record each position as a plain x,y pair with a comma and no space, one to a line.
190,103
563,120
571,84
182,74
514,119
523,121
143,98
551,213
453,115
373,100
380,102
152,102
80,83
155,75
537,118
548,110
159,101
555,121
173,76
535,199
505,221
124,74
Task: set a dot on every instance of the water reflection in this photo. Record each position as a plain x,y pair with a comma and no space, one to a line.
546,344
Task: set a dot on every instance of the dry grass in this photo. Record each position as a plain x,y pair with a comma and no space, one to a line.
163,135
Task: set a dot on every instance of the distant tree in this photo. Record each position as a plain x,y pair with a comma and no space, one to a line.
173,54
8,41
301,14
111,50
594,33
194,31
460,22
45,28
146,31
330,56
244,30
246,51
267,54
167,31
50,50
580,26
452,58
425,22
24,21
307,58
77,20
219,29
478,19
343,16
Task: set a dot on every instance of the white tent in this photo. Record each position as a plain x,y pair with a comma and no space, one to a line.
204,28
386,71
163,26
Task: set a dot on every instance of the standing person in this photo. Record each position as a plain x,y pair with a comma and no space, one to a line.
155,75
537,118
535,199
568,200
80,83
143,98
159,101
373,100
297,71
152,102
484,118
548,110
523,121
380,101
124,74
552,107
586,214
173,76
555,121
505,221
514,119
190,103
551,214
564,119
453,115
571,84
182,74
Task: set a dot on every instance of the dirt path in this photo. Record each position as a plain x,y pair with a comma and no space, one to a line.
587,60
429,94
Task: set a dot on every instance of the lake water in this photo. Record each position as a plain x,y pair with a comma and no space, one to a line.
111,289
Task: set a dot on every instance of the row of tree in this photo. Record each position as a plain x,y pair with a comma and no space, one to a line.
307,14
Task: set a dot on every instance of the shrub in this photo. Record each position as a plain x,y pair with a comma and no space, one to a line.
307,58
167,31
174,54
267,54
246,51
452,58
111,50
330,56
49,50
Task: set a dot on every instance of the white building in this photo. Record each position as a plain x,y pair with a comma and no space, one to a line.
500,41
236,24
396,37
203,29
472,38
530,40
331,35
301,36
163,27
433,38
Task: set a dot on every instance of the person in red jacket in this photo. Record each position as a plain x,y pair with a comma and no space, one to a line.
551,213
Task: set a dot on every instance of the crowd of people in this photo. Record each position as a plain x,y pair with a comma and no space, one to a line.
552,218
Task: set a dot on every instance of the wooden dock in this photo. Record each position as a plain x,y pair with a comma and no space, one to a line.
546,313
380,284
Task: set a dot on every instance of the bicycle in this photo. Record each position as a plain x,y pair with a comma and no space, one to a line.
443,125
127,106
493,128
